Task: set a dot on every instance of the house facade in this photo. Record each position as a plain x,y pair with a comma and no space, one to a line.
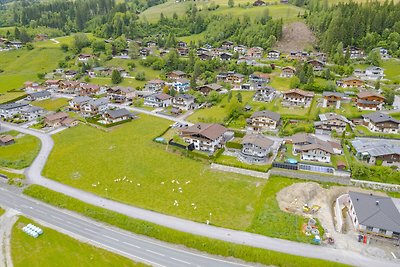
117,115
159,100
264,120
37,96
204,136
332,99
156,85
95,107
265,94
297,97
369,101
331,122
207,88
288,72
181,85
183,102
381,123
255,149
371,151
9,110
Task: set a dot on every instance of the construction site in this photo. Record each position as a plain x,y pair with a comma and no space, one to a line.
311,200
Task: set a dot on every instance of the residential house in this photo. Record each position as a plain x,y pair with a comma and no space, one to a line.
207,88
230,77
381,123
332,99
159,100
69,87
255,52
263,120
182,51
312,148
367,100
59,119
181,44
317,65
85,58
225,56
30,113
297,97
70,74
374,215
256,149
240,49
144,52
91,90
298,55
383,52
176,74
265,94
374,73
119,94
204,136
117,115
259,79
156,85
227,45
354,52
350,82
373,150
32,86
95,107
37,96
202,50
181,85
331,122
151,44
6,140
76,103
9,110
288,72
52,84
273,54
204,56
183,102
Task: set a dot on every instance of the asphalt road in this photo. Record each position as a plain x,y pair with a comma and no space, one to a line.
132,246
33,174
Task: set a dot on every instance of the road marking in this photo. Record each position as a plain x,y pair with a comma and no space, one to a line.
180,260
90,230
40,211
132,245
159,254
112,238
55,217
394,256
70,223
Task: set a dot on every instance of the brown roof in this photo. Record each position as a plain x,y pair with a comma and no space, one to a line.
163,96
56,116
300,92
258,140
266,113
67,121
318,145
210,131
301,138
6,138
368,94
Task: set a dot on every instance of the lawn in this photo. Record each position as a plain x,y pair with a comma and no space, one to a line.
23,65
396,115
287,12
51,104
56,249
270,220
91,159
392,67
234,162
361,130
11,175
21,154
9,96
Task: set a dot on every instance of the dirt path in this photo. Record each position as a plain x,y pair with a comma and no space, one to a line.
296,37
6,224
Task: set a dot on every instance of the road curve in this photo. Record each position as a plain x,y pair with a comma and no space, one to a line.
33,174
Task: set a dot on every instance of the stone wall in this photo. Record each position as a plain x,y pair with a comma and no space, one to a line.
311,176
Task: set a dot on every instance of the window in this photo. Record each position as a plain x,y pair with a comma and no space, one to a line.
382,231
370,228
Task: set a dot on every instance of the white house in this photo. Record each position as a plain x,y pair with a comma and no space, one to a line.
374,73
37,96
183,102
263,121
158,100
381,123
255,148
273,54
204,136
11,109
95,107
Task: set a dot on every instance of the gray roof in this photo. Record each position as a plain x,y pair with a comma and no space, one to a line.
266,113
98,102
185,96
40,94
258,140
117,113
378,117
376,211
327,93
333,116
81,99
376,148
12,106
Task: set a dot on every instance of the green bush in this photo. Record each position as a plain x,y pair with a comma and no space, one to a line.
382,174
212,246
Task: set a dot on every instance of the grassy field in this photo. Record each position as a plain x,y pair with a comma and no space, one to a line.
56,249
11,175
234,162
208,245
23,65
6,97
392,69
361,130
287,12
92,160
51,104
21,154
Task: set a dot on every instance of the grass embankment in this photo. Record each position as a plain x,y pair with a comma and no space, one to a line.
95,160
20,154
56,249
234,162
208,245
2,211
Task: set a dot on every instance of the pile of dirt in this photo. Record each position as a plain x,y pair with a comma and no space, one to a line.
296,36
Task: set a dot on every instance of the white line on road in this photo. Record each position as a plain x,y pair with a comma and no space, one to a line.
70,223
394,256
132,245
180,260
40,211
159,254
57,218
90,230
112,238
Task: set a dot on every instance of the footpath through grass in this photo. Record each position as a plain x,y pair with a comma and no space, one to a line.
21,154
56,249
205,244
125,165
